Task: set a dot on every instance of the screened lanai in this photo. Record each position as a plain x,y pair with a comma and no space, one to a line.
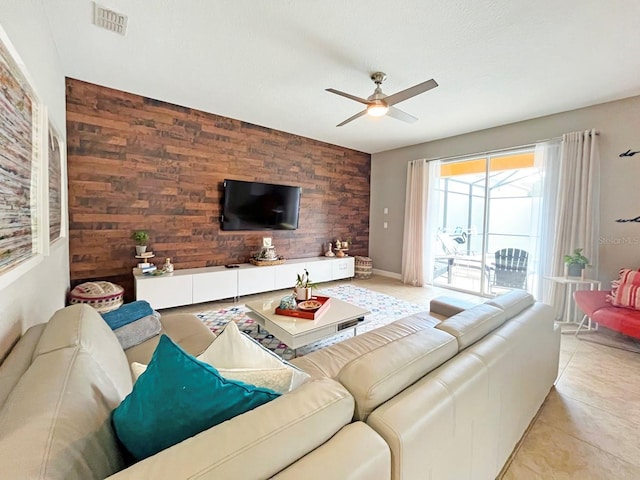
487,205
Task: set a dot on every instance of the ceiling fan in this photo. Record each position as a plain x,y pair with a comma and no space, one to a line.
379,104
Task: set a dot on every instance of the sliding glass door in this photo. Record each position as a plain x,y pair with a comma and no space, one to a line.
487,223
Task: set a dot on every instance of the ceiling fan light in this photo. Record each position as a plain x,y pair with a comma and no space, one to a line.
377,109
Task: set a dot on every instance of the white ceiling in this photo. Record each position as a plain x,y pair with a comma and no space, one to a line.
269,62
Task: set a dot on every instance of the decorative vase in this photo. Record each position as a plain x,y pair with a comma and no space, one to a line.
329,253
303,293
140,249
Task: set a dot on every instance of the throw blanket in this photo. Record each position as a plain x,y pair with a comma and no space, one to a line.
127,313
137,332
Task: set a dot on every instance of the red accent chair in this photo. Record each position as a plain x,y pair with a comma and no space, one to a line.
595,306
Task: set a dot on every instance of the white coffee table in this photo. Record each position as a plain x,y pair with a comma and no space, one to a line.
298,332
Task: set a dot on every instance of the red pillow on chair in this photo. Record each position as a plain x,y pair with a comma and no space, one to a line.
625,291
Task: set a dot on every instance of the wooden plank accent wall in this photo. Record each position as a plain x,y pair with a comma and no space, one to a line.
135,163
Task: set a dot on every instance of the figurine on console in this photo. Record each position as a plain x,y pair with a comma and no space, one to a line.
168,266
329,253
268,251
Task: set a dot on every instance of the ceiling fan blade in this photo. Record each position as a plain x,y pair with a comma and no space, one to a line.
348,95
410,92
350,119
400,115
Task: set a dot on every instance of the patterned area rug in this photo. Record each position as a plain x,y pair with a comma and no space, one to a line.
384,309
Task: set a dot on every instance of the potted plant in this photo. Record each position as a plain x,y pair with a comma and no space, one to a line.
303,286
141,238
576,263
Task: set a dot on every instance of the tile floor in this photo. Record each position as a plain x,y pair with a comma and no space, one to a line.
588,427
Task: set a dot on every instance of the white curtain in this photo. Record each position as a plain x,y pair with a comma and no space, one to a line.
570,213
547,161
419,222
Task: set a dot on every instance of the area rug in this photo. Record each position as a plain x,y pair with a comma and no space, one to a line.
610,338
384,309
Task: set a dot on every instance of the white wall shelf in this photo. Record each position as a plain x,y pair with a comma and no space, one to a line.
197,285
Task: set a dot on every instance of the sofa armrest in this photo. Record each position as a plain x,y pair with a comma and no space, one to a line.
258,443
18,360
356,452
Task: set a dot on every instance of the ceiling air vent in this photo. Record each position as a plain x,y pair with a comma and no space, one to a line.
105,18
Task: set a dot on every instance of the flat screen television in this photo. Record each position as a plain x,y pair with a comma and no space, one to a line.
259,206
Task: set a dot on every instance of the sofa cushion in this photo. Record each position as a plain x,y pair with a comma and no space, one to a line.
380,374
177,397
623,320
371,460
328,362
512,302
81,325
56,424
379,364
471,325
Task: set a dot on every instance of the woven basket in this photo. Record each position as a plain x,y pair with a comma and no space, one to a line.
103,296
263,263
363,267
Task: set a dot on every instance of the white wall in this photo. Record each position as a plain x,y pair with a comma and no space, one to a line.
619,126
33,297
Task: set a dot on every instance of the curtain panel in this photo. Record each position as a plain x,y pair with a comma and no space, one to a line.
570,213
421,206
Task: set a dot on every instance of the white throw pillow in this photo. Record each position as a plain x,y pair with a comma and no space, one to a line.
138,369
277,379
238,357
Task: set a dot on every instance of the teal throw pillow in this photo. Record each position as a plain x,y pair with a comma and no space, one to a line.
177,397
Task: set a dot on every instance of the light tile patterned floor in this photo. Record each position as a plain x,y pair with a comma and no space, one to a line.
588,426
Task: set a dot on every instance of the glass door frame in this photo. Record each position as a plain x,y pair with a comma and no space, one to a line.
485,286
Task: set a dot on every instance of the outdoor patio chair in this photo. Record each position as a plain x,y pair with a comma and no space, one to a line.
510,268
454,253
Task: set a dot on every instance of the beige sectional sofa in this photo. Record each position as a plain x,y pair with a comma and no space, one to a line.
403,401
452,401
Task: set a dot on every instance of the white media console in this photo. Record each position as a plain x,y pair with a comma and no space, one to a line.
196,285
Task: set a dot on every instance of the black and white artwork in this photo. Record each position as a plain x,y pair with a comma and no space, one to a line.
19,156
55,185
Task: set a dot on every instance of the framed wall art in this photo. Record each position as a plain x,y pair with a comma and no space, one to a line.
55,171
20,162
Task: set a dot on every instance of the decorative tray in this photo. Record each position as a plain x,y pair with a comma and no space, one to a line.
262,263
308,314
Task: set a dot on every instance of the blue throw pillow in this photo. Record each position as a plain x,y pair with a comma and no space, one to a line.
127,313
177,397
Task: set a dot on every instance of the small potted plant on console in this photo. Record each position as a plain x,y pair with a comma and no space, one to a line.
141,238
303,286
576,263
